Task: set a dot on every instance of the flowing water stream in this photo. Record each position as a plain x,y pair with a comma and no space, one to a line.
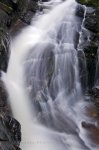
43,82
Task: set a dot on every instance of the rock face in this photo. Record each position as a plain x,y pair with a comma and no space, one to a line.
16,9
4,46
90,39
81,56
13,15
90,47
10,135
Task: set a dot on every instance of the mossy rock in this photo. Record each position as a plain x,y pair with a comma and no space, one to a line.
6,7
14,8
15,5
90,3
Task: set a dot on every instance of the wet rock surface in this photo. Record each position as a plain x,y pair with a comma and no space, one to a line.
89,61
4,49
89,42
91,124
92,131
80,11
10,135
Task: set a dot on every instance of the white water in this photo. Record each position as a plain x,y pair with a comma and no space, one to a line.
53,32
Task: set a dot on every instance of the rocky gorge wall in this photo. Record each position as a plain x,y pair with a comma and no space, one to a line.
90,38
89,44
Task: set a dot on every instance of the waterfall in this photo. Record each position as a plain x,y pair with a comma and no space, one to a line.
42,81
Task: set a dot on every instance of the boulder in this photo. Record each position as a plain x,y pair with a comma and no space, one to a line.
10,135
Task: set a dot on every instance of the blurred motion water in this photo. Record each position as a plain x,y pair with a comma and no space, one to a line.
43,82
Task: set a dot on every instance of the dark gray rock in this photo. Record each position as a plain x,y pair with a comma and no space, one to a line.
4,48
92,21
80,11
27,17
95,92
33,6
5,19
90,43
82,69
13,129
3,99
10,135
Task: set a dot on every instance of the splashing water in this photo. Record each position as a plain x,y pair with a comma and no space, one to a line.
42,81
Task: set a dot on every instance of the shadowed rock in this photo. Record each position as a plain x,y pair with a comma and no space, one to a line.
10,135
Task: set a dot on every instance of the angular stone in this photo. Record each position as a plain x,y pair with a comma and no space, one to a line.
10,135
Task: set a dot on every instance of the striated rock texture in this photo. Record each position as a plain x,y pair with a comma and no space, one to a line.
14,14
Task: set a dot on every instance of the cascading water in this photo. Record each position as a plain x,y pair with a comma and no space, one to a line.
43,84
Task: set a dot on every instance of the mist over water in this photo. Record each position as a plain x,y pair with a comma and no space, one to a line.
43,82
